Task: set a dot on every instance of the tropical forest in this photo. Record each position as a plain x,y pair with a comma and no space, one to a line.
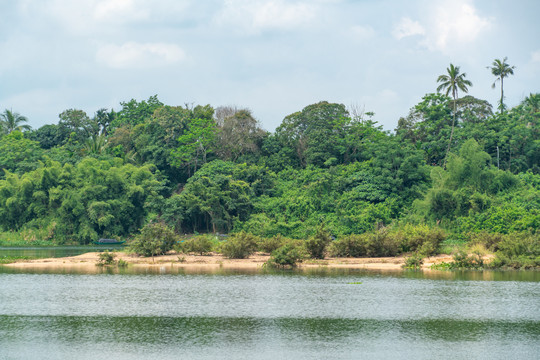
456,174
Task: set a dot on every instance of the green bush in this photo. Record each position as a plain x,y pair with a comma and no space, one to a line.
462,260
286,256
489,240
122,263
316,245
106,258
201,244
268,245
240,245
381,243
154,239
518,251
420,238
415,261
374,244
348,246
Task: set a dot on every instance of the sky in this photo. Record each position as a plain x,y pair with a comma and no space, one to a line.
274,57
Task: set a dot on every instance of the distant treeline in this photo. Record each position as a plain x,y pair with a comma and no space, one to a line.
204,169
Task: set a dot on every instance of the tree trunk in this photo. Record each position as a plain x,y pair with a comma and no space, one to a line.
451,135
502,95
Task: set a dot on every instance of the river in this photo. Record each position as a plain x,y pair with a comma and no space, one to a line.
279,315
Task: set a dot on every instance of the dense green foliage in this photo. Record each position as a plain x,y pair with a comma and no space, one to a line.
287,255
154,239
239,246
196,169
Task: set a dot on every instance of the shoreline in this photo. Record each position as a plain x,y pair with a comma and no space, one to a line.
89,260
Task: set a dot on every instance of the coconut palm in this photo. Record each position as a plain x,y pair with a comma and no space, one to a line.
11,121
452,82
95,144
532,102
501,70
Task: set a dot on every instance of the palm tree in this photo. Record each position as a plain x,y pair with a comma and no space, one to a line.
11,121
452,82
532,102
95,144
501,70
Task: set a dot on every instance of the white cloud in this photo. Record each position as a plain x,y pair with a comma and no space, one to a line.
134,55
119,10
362,32
535,56
407,27
455,22
257,15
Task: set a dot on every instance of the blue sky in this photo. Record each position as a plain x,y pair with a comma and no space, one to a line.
273,57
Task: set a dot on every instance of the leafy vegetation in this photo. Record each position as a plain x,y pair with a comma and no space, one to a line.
287,255
453,172
239,246
106,258
154,239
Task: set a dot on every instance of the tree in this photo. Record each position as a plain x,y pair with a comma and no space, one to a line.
239,134
77,124
501,69
134,112
452,82
11,121
18,154
154,239
317,133
49,136
103,119
194,144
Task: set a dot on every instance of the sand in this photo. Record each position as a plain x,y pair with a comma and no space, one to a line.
87,262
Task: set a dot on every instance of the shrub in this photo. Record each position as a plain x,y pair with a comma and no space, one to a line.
201,244
381,243
268,245
489,240
464,261
348,246
518,251
106,258
316,245
154,239
286,256
420,238
240,245
122,263
414,261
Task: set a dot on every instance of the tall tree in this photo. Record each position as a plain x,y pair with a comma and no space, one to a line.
11,121
501,69
452,82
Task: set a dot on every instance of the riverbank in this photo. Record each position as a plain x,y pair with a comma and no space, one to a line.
89,261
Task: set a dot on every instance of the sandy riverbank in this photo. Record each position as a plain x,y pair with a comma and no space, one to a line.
88,262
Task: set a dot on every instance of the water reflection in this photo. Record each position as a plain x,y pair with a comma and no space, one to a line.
91,269
53,251
221,337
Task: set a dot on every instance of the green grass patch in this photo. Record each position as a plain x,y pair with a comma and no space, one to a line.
452,245
11,259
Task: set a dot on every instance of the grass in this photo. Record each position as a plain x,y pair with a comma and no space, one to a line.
23,239
11,259
451,246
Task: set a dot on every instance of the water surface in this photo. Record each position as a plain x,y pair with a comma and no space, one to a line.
314,315
52,251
